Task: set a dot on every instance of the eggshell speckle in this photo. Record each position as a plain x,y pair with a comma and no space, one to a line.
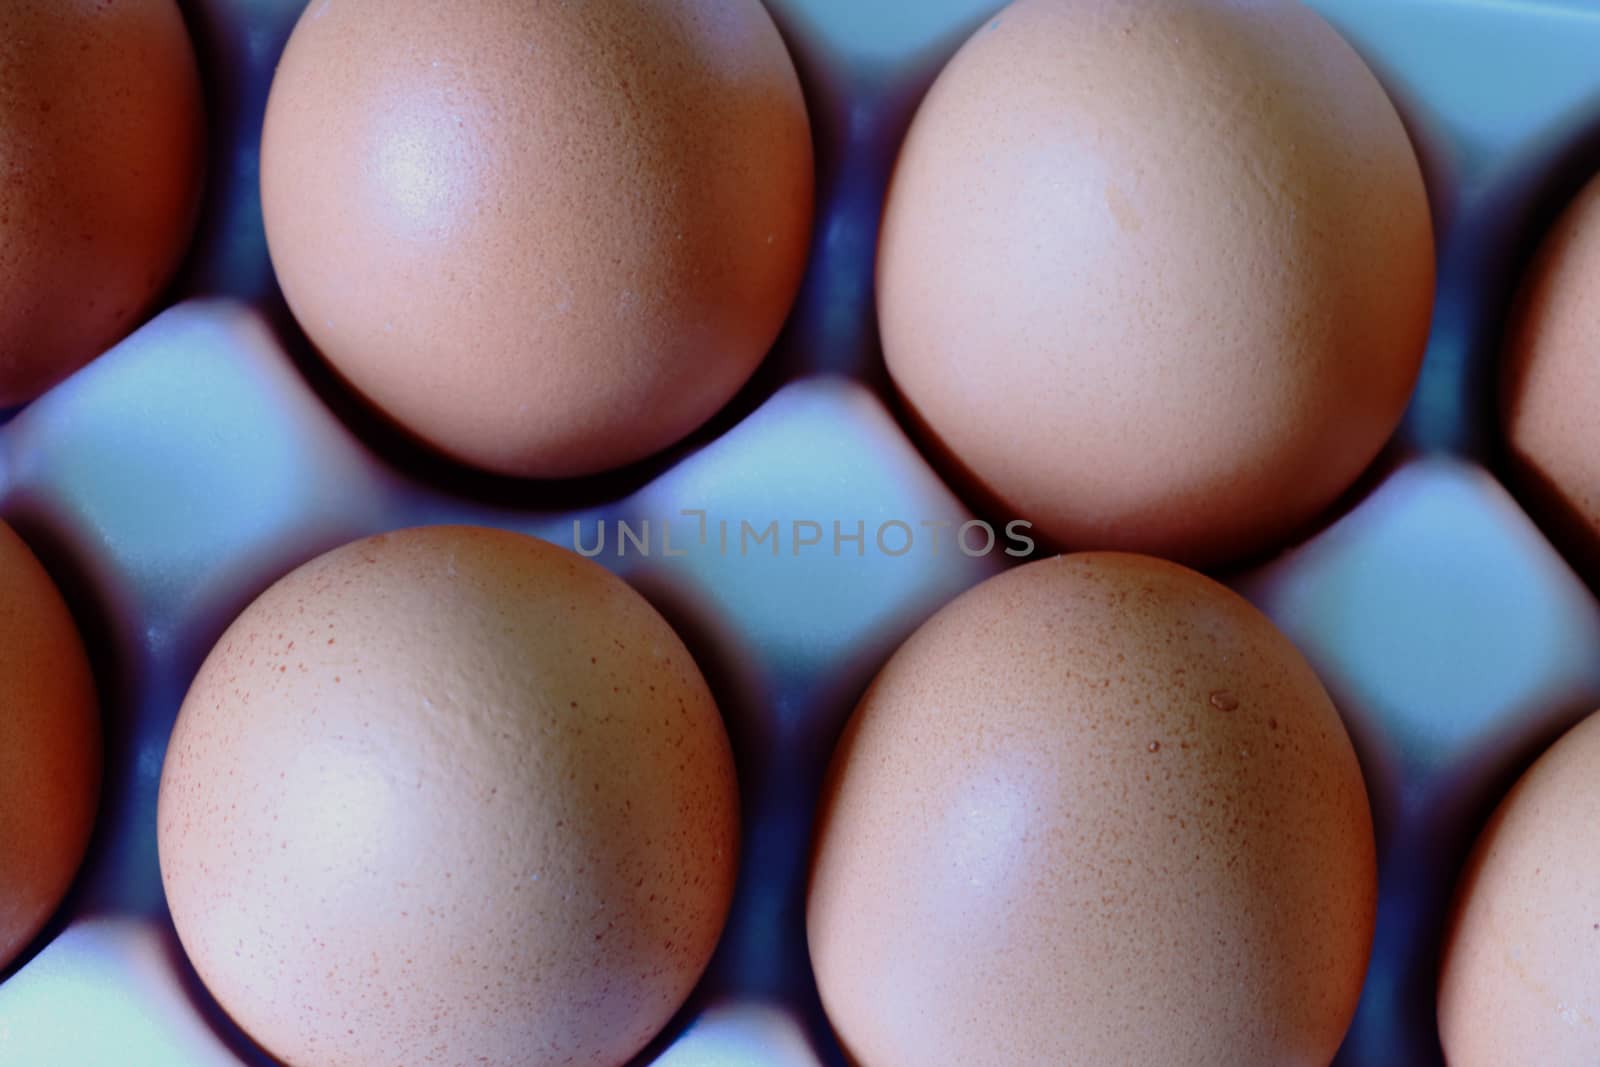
449,796
1096,811
1551,386
101,144
1157,275
547,238
1520,981
50,749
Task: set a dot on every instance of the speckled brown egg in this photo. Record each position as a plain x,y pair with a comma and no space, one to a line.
1158,274
1098,810
1520,981
1550,389
449,796
547,238
101,145
50,755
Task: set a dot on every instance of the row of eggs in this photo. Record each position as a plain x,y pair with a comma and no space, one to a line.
1154,276
455,794
1186,397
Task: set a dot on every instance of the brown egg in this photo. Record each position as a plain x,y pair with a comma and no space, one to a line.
547,238
49,747
1521,975
101,142
1095,811
1157,275
1550,391
449,796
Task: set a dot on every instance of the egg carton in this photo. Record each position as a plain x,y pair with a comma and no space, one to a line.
173,479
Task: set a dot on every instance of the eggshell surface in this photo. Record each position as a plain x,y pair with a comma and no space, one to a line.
1157,275
1551,382
1520,980
50,747
546,238
1096,811
449,796
102,134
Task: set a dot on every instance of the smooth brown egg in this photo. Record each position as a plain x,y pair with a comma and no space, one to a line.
1550,390
50,751
101,144
1157,275
1520,981
1098,810
449,796
547,238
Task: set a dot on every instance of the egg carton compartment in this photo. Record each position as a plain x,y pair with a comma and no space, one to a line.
172,480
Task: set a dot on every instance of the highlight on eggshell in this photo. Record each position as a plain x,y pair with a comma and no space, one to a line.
1095,810
50,748
102,140
449,795
546,239
1156,275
